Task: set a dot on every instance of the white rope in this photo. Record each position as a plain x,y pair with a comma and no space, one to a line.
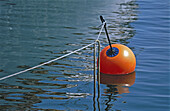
101,30
20,72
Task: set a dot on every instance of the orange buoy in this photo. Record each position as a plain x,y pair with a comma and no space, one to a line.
121,61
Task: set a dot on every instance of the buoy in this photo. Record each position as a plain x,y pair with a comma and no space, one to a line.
116,59
119,61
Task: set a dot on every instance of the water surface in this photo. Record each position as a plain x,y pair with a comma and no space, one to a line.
32,32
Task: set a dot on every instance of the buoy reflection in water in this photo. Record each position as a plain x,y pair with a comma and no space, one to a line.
118,84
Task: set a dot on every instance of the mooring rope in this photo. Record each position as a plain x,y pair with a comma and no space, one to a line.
20,72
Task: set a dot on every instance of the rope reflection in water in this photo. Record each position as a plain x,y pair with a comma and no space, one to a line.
98,76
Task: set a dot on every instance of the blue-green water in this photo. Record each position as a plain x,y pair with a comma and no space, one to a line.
35,31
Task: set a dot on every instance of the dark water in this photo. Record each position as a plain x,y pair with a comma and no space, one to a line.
35,31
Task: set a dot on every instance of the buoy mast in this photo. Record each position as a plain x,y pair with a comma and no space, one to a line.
108,38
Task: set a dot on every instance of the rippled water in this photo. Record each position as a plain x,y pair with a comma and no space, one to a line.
35,31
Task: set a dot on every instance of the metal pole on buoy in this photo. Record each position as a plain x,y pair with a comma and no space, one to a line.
108,38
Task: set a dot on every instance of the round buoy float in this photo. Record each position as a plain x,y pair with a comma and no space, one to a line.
121,60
